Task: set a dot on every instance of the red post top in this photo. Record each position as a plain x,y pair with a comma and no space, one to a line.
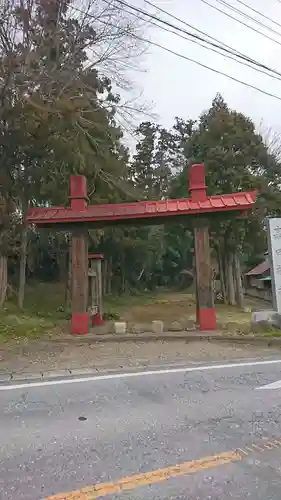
78,193
95,256
197,182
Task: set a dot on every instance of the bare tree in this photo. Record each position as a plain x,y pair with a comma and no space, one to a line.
58,61
272,140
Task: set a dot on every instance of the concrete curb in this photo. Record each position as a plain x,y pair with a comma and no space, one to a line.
40,376
170,337
6,378
13,377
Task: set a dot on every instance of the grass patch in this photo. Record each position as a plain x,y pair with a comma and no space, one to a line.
176,307
119,305
231,319
266,330
270,333
168,307
238,322
43,309
46,300
23,326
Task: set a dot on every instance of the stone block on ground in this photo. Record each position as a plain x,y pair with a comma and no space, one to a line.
103,329
158,327
269,319
138,328
120,327
175,326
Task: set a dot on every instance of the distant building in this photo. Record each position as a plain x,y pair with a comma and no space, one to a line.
257,281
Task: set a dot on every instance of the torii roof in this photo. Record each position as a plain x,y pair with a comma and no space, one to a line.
141,211
144,212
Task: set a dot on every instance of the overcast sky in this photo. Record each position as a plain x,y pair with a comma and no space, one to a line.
178,87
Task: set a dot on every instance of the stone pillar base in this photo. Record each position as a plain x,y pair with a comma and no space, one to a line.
80,323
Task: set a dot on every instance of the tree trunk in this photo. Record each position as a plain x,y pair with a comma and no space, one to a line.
238,281
104,277
109,276
222,276
3,279
230,279
62,266
23,259
122,272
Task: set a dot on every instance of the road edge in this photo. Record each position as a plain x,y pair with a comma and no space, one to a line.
8,377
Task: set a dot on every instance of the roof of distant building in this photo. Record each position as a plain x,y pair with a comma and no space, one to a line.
259,269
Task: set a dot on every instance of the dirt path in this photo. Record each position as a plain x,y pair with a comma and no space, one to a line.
180,308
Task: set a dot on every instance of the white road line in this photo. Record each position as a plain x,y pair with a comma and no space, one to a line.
112,376
274,385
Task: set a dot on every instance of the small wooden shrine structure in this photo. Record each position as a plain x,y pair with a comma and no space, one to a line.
95,288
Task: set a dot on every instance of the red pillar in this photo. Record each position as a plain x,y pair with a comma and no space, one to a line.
79,249
205,311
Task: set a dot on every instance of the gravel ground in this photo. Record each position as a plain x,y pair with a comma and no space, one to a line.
39,356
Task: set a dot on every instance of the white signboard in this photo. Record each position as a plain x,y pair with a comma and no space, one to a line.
274,248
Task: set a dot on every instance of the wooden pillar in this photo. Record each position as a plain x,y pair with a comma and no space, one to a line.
79,295
79,254
205,311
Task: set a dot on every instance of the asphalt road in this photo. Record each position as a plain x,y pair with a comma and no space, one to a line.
224,434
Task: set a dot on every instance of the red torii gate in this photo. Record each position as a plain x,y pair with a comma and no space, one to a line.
79,217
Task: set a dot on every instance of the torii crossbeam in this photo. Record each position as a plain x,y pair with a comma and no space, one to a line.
79,217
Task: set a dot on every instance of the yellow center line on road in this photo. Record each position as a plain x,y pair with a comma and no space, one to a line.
148,478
